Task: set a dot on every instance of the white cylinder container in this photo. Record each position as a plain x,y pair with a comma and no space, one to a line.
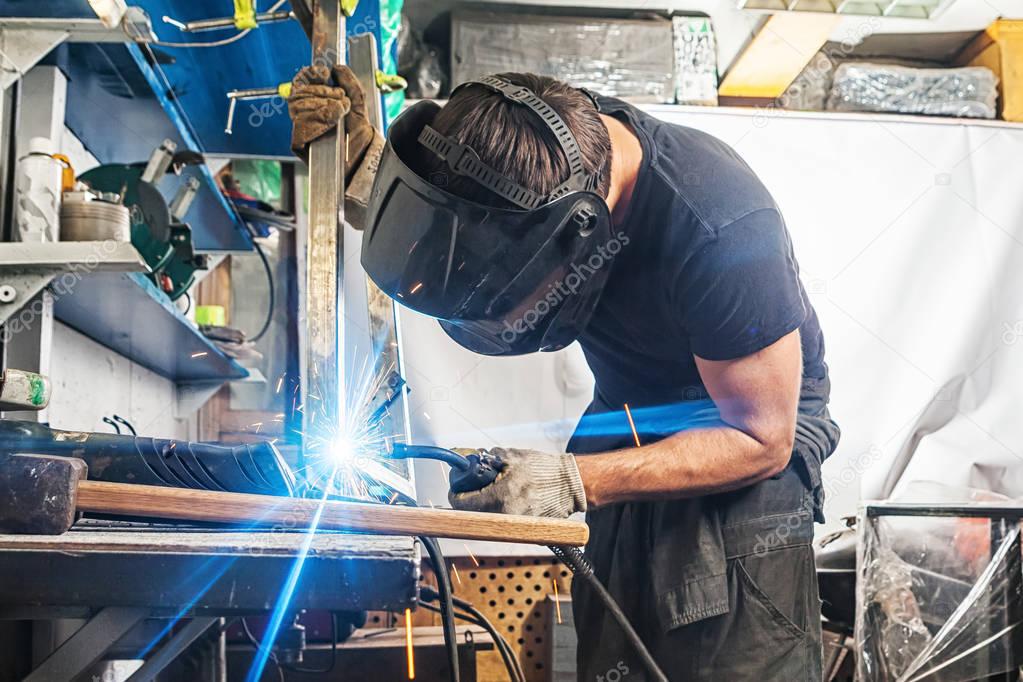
37,194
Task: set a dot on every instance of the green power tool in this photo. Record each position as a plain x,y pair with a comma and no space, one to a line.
158,230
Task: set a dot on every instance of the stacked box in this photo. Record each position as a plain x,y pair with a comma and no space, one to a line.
628,58
696,63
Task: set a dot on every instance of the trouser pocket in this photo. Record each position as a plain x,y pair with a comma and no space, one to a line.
772,631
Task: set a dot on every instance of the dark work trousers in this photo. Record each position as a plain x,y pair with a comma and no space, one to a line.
722,587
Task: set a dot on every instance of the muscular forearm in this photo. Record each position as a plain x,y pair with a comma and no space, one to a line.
691,463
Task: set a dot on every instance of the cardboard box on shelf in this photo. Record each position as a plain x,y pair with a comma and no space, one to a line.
1000,48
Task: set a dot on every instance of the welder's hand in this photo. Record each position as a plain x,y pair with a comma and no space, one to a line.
532,483
320,97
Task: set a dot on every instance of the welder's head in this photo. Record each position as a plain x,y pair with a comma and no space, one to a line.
489,214
516,142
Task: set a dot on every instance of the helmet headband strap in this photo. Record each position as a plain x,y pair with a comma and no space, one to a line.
465,161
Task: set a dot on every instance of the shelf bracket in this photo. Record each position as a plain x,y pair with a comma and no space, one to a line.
27,268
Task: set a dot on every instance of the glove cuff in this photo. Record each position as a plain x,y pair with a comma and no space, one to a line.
559,486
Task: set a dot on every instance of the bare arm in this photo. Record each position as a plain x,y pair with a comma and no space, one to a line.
757,396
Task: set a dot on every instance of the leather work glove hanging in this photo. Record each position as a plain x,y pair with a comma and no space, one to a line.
320,97
531,484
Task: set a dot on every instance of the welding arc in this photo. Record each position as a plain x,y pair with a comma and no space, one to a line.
440,569
581,568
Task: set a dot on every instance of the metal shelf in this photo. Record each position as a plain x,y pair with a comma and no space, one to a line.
127,313
907,9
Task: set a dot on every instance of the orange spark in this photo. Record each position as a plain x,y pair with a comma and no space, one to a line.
471,555
632,424
408,645
454,569
557,600
199,355
417,287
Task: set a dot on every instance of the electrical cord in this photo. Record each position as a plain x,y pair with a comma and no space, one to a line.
215,43
270,282
581,568
512,658
446,604
257,645
474,616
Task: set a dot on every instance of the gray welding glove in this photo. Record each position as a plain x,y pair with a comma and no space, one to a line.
531,484
320,97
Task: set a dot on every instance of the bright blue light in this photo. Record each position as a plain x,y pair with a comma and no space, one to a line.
284,600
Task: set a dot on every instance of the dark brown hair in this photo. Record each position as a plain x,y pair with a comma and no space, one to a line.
515,141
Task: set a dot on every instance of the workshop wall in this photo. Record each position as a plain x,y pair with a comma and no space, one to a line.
91,382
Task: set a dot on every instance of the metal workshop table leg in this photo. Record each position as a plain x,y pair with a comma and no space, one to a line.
155,664
88,645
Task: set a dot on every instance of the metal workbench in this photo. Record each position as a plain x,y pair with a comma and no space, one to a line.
120,574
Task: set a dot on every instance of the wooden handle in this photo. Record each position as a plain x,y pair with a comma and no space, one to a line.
186,504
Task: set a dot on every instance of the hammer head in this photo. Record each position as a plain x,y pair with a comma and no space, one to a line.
38,493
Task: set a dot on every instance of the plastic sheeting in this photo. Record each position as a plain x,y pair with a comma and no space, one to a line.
631,59
970,92
938,599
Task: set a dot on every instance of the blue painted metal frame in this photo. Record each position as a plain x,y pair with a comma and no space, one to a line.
267,56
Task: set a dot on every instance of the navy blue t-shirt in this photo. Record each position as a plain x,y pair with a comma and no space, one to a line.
705,267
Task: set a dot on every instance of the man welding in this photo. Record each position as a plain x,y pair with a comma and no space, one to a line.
526,214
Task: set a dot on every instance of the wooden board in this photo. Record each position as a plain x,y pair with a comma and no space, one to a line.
777,54
295,513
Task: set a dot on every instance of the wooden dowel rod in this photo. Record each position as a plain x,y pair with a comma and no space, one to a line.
185,504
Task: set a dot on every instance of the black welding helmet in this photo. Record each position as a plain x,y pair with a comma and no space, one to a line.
502,281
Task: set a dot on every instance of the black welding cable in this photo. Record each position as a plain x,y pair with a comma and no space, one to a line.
483,622
270,282
440,569
449,457
581,568
511,663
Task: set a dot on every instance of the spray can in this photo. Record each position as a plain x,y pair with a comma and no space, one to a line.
37,194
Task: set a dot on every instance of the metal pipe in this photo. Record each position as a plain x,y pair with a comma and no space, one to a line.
183,639
201,25
323,384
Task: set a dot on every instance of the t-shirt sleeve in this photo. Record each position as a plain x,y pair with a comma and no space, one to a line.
738,290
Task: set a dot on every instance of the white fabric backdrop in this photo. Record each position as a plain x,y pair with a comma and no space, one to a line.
909,234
